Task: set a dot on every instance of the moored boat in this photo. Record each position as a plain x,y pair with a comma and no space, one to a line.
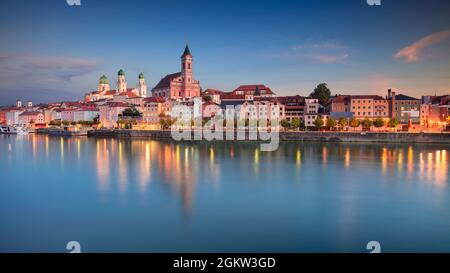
7,130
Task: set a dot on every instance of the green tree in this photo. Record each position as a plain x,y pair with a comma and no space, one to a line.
131,112
284,123
355,123
322,93
318,123
342,123
331,123
378,122
296,123
65,122
206,98
393,123
367,124
163,123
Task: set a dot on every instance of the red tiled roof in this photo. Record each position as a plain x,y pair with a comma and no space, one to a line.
30,113
129,94
342,98
374,97
154,99
165,82
252,88
232,97
69,109
210,91
72,103
116,104
87,108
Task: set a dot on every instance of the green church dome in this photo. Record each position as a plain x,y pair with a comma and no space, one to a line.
141,76
121,73
103,80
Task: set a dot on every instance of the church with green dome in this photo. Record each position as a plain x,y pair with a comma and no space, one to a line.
104,90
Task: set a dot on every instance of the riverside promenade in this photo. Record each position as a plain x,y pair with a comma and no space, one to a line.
377,137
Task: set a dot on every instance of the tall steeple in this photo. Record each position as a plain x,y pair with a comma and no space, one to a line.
186,65
186,51
142,86
121,82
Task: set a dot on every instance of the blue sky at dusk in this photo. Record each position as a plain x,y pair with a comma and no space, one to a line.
51,51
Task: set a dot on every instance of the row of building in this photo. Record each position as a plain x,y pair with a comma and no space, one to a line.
106,105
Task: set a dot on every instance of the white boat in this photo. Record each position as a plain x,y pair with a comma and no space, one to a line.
7,130
21,131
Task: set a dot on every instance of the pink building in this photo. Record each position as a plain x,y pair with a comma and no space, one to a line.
179,85
31,118
68,114
210,109
109,113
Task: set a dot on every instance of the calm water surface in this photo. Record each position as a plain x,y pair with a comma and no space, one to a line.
154,196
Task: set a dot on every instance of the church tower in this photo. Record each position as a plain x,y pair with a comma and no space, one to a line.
186,65
103,84
190,86
142,86
121,82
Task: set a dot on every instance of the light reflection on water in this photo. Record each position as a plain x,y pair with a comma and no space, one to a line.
302,197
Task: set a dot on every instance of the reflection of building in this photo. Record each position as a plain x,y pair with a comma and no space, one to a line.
179,85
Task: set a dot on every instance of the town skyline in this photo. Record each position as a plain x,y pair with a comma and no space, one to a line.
292,53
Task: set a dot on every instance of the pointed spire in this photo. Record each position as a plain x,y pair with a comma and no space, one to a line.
186,51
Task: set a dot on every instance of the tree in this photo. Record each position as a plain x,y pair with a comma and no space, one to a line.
296,123
318,123
331,123
131,112
65,122
355,123
343,122
206,98
393,123
322,93
284,123
378,122
73,123
163,123
367,124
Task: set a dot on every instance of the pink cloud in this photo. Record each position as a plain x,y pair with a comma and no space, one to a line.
413,52
322,53
328,59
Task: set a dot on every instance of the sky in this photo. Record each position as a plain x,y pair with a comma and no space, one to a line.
51,51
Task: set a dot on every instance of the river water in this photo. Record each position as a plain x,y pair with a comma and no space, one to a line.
141,195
